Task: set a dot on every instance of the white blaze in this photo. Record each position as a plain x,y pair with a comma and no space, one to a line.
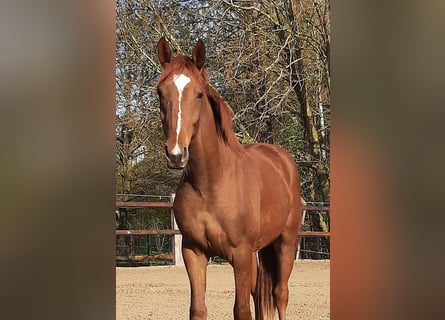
181,81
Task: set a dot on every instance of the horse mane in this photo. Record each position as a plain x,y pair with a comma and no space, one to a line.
222,116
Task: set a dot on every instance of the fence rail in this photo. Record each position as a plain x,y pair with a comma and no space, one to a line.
142,204
167,232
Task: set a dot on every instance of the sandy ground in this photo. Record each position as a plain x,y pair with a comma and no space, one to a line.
163,292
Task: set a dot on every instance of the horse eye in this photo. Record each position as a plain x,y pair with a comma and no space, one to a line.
199,95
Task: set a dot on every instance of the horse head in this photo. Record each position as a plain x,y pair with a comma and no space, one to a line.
181,88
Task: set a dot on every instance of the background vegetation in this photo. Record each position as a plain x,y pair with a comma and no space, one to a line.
268,59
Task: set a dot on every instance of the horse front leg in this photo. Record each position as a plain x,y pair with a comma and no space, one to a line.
196,266
243,269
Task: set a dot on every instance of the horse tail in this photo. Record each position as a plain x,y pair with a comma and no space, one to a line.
265,283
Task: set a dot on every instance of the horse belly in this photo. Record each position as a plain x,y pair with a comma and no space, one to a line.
271,227
275,207
278,189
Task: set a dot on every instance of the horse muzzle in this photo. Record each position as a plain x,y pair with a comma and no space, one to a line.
178,160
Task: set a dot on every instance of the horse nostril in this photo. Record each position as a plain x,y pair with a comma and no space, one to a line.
175,158
176,161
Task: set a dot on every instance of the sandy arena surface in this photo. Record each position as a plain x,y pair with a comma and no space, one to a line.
163,292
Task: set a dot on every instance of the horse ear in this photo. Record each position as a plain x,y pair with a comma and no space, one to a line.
199,54
164,52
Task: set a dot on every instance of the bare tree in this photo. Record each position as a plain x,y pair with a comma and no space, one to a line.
268,59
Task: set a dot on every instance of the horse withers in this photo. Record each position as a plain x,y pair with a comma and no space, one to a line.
239,202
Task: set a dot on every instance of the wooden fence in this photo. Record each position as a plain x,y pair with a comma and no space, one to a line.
177,258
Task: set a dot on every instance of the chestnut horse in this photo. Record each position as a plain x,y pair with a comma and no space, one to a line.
239,202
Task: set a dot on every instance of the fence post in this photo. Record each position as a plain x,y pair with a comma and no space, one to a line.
298,255
177,239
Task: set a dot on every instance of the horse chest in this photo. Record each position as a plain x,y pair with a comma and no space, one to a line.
208,231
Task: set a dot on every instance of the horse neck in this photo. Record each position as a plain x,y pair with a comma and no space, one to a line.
209,154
